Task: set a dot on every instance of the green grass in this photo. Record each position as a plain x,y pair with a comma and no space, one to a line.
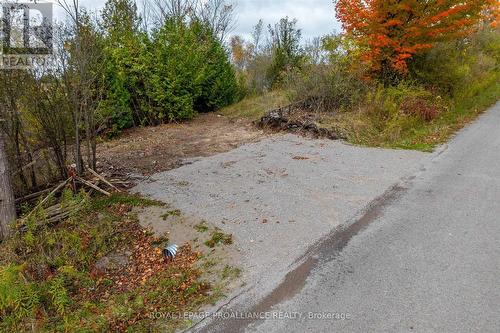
201,227
230,272
218,237
174,212
462,111
209,263
255,107
389,128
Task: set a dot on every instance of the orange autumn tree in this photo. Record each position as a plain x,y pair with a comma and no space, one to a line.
393,31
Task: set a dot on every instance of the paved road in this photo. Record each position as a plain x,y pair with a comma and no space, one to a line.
424,258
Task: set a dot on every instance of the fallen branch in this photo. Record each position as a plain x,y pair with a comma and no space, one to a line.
96,183
31,196
40,204
62,214
104,180
58,218
97,188
58,208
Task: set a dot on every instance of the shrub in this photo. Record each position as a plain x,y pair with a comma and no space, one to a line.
329,87
45,270
334,83
190,72
182,69
451,66
122,46
401,100
258,69
419,107
123,83
287,53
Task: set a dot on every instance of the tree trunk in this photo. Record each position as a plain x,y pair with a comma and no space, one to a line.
7,207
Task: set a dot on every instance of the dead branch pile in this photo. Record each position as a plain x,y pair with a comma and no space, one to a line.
57,212
300,117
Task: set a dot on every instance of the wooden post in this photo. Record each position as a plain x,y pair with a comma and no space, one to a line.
7,206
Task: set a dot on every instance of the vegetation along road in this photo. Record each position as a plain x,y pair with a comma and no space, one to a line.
284,164
424,257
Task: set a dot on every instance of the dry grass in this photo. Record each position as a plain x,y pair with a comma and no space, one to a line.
398,130
255,107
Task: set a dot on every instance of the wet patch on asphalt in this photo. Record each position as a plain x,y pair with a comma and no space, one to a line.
325,250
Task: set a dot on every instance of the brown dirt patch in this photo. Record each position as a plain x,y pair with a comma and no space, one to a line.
148,150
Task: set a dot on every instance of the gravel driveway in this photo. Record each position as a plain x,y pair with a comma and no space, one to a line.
281,195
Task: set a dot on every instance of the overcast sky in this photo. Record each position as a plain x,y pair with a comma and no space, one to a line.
315,17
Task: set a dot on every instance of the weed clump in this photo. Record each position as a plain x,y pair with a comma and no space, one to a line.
218,237
175,212
201,227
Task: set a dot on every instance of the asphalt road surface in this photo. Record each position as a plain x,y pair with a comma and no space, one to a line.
424,258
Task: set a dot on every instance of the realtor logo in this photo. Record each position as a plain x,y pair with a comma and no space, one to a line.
26,34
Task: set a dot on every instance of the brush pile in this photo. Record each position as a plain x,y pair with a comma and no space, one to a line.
54,210
300,118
